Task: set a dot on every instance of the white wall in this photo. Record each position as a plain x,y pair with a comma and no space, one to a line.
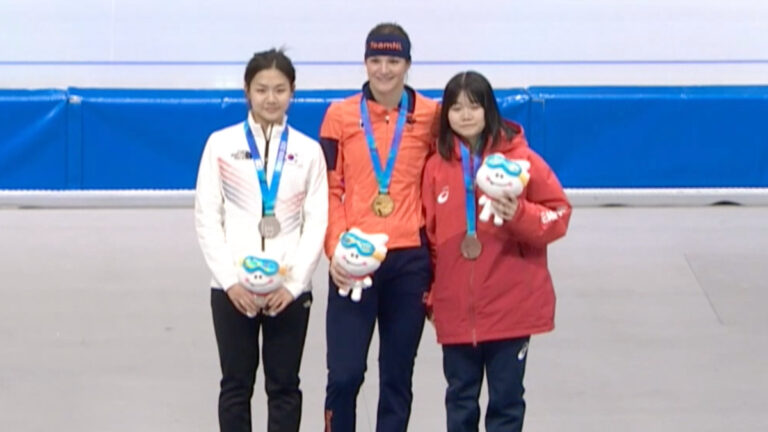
204,44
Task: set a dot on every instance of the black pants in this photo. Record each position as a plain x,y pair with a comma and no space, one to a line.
504,364
396,301
283,343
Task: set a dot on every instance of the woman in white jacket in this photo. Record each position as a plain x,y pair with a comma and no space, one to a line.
262,193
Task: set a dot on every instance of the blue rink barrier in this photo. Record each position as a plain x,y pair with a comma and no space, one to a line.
593,137
147,139
653,137
33,139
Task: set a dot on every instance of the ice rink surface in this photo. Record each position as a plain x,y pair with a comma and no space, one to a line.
105,325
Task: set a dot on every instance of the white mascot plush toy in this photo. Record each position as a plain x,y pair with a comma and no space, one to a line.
360,254
261,276
497,177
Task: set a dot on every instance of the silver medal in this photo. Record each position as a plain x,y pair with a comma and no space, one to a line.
269,227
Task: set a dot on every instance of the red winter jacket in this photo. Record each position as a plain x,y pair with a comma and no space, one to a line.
507,291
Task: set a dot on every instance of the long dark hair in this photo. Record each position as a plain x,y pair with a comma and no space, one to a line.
273,58
478,90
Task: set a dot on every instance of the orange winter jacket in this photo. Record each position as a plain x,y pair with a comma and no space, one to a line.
507,291
352,185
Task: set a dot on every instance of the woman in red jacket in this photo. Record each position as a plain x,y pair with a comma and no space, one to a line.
492,288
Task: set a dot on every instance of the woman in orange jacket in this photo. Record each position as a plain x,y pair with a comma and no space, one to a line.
376,143
492,288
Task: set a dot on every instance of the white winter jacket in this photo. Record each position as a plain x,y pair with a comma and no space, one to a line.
228,204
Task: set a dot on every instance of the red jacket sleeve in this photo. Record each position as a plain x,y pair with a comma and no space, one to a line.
428,201
543,213
331,139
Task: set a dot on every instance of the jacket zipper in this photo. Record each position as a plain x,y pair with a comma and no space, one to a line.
473,311
267,138
472,303
385,159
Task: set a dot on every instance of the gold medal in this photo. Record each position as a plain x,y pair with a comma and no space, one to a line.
383,205
471,247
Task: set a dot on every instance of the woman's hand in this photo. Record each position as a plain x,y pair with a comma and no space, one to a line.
427,300
243,300
505,207
340,277
277,301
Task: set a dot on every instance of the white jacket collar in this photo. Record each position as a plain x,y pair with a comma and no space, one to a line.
275,132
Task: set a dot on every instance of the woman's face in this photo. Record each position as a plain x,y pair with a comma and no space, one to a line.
269,94
386,74
466,118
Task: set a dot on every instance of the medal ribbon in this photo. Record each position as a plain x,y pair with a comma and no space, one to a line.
469,166
268,193
383,178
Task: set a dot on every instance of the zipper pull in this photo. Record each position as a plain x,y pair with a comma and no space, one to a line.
386,118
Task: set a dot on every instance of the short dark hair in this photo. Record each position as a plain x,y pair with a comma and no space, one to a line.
478,90
389,28
273,58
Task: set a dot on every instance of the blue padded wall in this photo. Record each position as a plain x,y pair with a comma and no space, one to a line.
594,137
149,139
33,139
598,137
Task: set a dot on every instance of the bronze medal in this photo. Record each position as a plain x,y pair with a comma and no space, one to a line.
269,227
471,247
383,205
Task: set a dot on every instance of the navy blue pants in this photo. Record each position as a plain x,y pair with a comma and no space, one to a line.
396,301
504,364
283,338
